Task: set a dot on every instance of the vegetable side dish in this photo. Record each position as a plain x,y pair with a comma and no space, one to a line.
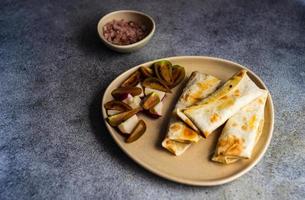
143,91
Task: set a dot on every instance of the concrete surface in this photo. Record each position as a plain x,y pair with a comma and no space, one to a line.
53,70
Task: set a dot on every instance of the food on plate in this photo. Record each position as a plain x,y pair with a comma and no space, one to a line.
177,148
241,132
163,70
117,105
170,75
121,93
178,74
150,101
212,112
180,136
133,80
117,119
139,85
179,132
155,83
146,71
235,108
196,90
144,90
148,91
156,111
199,86
113,112
137,132
121,32
132,101
128,125
186,120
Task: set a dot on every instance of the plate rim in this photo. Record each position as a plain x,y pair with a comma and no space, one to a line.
178,179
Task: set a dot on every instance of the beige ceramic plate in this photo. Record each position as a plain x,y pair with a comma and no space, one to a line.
194,166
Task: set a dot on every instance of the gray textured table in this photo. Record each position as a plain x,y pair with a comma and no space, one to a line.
54,69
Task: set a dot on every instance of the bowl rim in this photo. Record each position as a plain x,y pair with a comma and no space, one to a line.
129,45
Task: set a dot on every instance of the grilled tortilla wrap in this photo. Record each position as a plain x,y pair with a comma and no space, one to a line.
174,147
213,111
241,132
180,136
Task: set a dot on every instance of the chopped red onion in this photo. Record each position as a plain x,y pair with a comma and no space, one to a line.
121,32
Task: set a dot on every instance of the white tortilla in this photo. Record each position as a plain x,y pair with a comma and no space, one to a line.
177,148
241,132
212,112
180,136
180,132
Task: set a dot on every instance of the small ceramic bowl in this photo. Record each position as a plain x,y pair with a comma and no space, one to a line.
127,15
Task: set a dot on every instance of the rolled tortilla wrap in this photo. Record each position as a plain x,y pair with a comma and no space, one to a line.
180,136
241,132
212,112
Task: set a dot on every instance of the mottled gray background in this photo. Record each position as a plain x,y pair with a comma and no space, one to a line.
54,69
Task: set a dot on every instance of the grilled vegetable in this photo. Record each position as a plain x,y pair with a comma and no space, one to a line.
137,132
122,92
117,119
178,74
150,101
117,105
146,72
163,70
132,80
156,84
